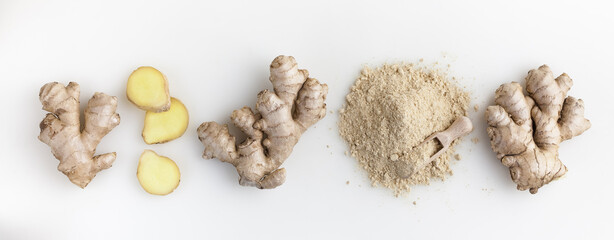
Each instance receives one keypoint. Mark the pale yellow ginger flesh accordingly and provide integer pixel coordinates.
(72, 145)
(162, 127)
(157, 174)
(525, 131)
(282, 116)
(148, 89)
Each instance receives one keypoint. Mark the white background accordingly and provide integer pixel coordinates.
(216, 56)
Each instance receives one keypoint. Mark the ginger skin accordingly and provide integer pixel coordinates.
(282, 116)
(61, 130)
(525, 131)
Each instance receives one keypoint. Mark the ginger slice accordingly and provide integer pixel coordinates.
(162, 127)
(148, 89)
(157, 174)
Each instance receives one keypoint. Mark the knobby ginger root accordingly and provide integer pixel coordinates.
(147, 88)
(162, 127)
(282, 116)
(157, 174)
(525, 131)
(61, 130)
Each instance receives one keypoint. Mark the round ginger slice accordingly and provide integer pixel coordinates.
(148, 89)
(157, 174)
(165, 126)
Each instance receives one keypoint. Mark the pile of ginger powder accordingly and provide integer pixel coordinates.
(390, 111)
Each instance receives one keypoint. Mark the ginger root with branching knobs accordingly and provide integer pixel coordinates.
(282, 116)
(61, 130)
(525, 131)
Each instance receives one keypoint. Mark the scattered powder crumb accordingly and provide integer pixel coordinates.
(345, 153)
(347, 182)
(389, 111)
(331, 112)
(327, 146)
(475, 140)
(414, 203)
(476, 108)
(457, 156)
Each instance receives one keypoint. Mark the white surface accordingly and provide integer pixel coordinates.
(216, 56)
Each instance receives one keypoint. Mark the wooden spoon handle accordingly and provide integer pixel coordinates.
(461, 127)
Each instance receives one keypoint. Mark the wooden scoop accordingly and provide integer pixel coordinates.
(461, 127)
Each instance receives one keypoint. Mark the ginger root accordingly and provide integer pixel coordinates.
(161, 127)
(281, 118)
(525, 131)
(157, 174)
(147, 88)
(61, 130)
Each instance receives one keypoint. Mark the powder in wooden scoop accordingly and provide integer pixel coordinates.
(389, 112)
